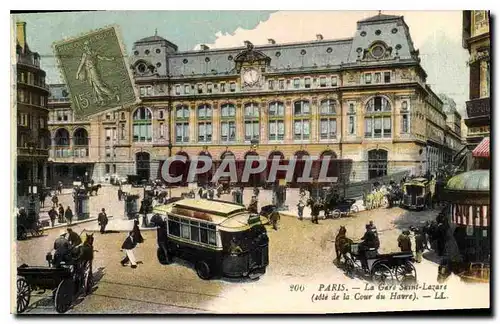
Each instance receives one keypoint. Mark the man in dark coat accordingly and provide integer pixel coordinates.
(62, 250)
(68, 214)
(253, 206)
(420, 243)
(43, 195)
(102, 220)
(137, 232)
(211, 193)
(128, 246)
(73, 238)
(52, 216)
(120, 193)
(315, 208)
(404, 241)
(274, 219)
(55, 201)
(369, 241)
(61, 213)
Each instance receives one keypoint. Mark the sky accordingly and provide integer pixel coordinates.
(437, 34)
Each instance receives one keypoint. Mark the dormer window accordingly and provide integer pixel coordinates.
(368, 78)
(296, 83)
(322, 82)
(387, 77)
(187, 88)
(307, 83)
(334, 81)
(177, 89)
(209, 88)
(200, 88)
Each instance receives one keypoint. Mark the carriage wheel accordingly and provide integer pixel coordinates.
(349, 266)
(354, 209)
(381, 273)
(88, 278)
(64, 295)
(336, 213)
(405, 272)
(23, 295)
(203, 270)
(22, 233)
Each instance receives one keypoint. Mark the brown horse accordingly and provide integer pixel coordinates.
(342, 244)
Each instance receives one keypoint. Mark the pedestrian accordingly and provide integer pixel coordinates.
(59, 187)
(120, 193)
(274, 219)
(52, 216)
(61, 213)
(200, 192)
(128, 247)
(253, 206)
(102, 220)
(404, 242)
(137, 232)
(43, 195)
(300, 208)
(419, 244)
(211, 193)
(68, 214)
(315, 207)
(55, 201)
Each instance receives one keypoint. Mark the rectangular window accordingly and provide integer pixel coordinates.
(296, 83)
(160, 114)
(200, 88)
(301, 108)
(65, 117)
(301, 129)
(204, 132)
(404, 123)
(387, 127)
(222, 87)
(209, 88)
(252, 111)
(162, 130)
(228, 131)
(276, 130)
(377, 127)
(334, 81)
(270, 84)
(107, 168)
(327, 107)
(195, 231)
(328, 128)
(187, 88)
(113, 133)
(368, 127)
(142, 91)
(122, 131)
(322, 82)
(377, 78)
(108, 134)
(307, 83)
(174, 228)
(276, 109)
(182, 132)
(368, 78)
(228, 111)
(232, 86)
(251, 130)
(282, 84)
(114, 168)
(387, 77)
(108, 152)
(351, 129)
(177, 89)
(185, 231)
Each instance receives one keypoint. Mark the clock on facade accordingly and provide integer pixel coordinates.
(251, 77)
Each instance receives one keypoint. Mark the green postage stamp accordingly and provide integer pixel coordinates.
(95, 72)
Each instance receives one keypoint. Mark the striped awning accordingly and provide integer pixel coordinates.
(470, 215)
(483, 149)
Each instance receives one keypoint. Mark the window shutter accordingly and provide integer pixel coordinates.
(474, 82)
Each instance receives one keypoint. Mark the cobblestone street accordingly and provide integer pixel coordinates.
(300, 253)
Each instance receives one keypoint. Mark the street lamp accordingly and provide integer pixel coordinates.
(32, 189)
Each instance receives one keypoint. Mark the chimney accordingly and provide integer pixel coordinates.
(21, 34)
(319, 37)
(204, 47)
(271, 41)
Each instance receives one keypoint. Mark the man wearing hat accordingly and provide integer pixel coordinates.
(73, 238)
(404, 241)
(102, 220)
(62, 249)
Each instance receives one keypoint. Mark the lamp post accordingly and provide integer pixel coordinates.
(32, 190)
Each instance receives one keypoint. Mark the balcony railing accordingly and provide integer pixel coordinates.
(25, 151)
(478, 107)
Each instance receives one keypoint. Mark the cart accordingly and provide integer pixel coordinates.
(344, 208)
(65, 282)
(27, 224)
(383, 268)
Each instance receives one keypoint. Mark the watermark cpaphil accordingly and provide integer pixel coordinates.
(300, 170)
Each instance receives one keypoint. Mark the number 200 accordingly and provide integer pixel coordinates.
(297, 288)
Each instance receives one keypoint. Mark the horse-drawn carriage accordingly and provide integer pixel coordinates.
(66, 280)
(28, 224)
(382, 268)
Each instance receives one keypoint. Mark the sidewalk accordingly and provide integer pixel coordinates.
(293, 211)
(60, 225)
(119, 224)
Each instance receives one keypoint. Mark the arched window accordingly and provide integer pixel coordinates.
(81, 137)
(142, 125)
(182, 124)
(228, 123)
(276, 121)
(301, 122)
(328, 123)
(204, 123)
(377, 121)
(377, 163)
(62, 137)
(251, 121)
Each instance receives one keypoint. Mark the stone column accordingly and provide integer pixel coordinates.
(264, 122)
(193, 124)
(216, 123)
(288, 122)
(240, 124)
(314, 120)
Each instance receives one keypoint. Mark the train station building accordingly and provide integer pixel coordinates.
(364, 99)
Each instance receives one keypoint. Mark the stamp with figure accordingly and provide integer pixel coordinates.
(95, 71)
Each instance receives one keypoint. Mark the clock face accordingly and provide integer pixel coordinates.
(251, 76)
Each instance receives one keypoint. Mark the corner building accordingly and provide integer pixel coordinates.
(363, 98)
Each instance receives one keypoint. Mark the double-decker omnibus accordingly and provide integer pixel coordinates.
(220, 238)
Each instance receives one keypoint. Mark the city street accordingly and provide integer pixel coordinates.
(300, 253)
